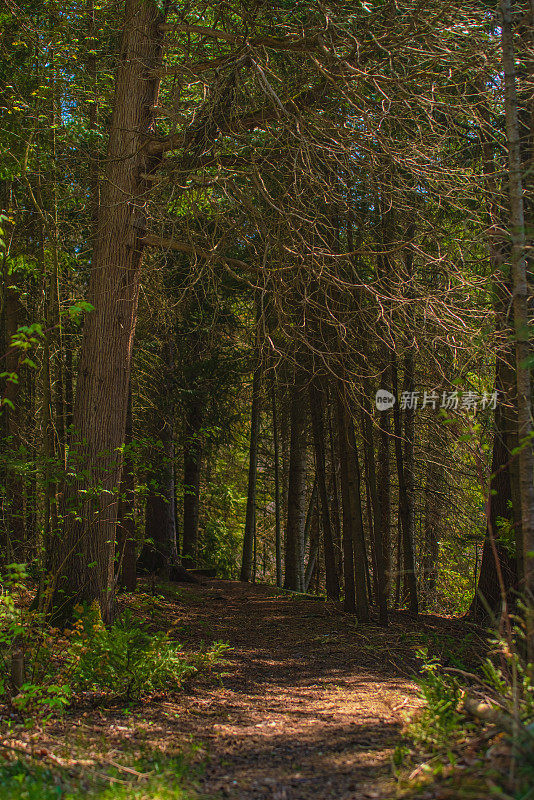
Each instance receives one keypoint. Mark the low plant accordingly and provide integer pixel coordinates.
(25, 779)
(490, 714)
(124, 659)
(440, 718)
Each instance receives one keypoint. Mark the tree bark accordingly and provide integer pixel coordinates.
(432, 516)
(497, 565)
(255, 419)
(317, 417)
(377, 517)
(405, 477)
(384, 496)
(361, 565)
(84, 563)
(126, 540)
(192, 469)
(313, 555)
(296, 495)
(521, 296)
(14, 538)
(277, 506)
(349, 593)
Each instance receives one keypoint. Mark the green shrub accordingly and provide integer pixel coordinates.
(42, 699)
(29, 780)
(21, 781)
(126, 660)
(440, 720)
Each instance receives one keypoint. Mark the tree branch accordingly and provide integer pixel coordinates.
(152, 240)
(234, 38)
(254, 119)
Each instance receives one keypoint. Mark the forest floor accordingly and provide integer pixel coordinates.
(307, 704)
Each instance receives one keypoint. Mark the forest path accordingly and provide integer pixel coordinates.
(311, 705)
(307, 703)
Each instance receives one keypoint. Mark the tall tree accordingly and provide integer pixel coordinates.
(521, 295)
(317, 418)
(296, 495)
(84, 561)
(192, 471)
(255, 419)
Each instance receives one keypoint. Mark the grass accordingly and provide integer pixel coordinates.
(161, 779)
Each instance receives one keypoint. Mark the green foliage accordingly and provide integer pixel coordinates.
(125, 659)
(12, 619)
(24, 780)
(42, 700)
(21, 781)
(208, 658)
(223, 531)
(444, 728)
(438, 722)
(456, 581)
(77, 310)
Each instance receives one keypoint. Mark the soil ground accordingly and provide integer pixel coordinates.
(309, 704)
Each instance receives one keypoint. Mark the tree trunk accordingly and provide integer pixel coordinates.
(432, 516)
(296, 495)
(126, 540)
(521, 295)
(255, 419)
(317, 417)
(310, 513)
(13, 516)
(277, 508)
(312, 565)
(361, 565)
(84, 563)
(192, 469)
(498, 574)
(349, 594)
(405, 477)
(160, 553)
(336, 502)
(384, 496)
(377, 518)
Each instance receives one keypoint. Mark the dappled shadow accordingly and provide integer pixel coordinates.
(308, 704)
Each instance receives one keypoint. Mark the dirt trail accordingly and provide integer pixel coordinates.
(311, 706)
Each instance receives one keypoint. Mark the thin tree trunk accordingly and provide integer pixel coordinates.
(192, 470)
(432, 517)
(349, 596)
(312, 564)
(405, 478)
(317, 417)
(14, 541)
(126, 540)
(497, 565)
(336, 515)
(312, 505)
(296, 495)
(361, 563)
(277, 509)
(377, 518)
(384, 496)
(255, 418)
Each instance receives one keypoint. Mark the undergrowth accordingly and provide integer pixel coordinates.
(162, 779)
(476, 729)
(125, 661)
